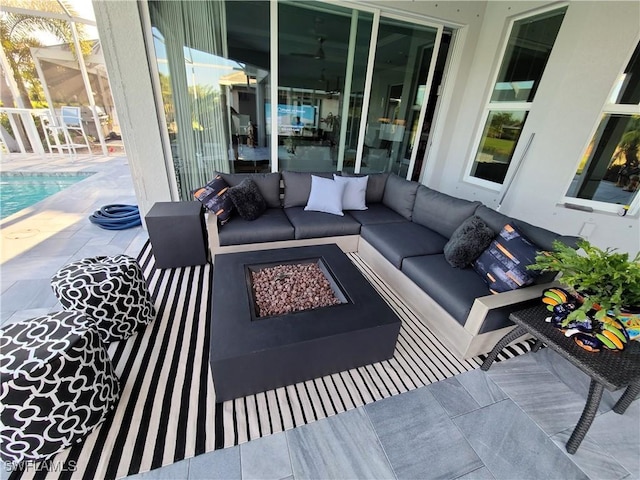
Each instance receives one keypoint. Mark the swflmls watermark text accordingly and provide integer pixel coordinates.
(43, 466)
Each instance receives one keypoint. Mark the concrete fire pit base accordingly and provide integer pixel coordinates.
(250, 355)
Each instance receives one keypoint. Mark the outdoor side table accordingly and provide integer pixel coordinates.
(177, 233)
(608, 369)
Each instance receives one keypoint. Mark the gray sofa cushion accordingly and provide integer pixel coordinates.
(271, 226)
(268, 184)
(494, 219)
(376, 213)
(397, 241)
(400, 195)
(540, 236)
(317, 224)
(441, 212)
(455, 289)
(375, 185)
(297, 186)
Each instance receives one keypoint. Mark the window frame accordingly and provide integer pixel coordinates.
(608, 108)
(516, 106)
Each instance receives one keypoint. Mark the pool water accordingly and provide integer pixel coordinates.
(21, 190)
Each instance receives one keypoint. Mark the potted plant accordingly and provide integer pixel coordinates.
(607, 282)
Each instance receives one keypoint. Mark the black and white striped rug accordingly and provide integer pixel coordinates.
(168, 411)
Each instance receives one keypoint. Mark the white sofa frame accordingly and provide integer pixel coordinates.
(464, 341)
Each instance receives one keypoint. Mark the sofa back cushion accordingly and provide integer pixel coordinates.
(540, 236)
(375, 185)
(441, 212)
(400, 195)
(268, 185)
(494, 219)
(297, 187)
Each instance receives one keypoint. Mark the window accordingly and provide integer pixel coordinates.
(609, 171)
(525, 58)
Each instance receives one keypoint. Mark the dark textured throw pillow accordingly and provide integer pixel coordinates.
(247, 199)
(214, 196)
(268, 184)
(468, 241)
(504, 264)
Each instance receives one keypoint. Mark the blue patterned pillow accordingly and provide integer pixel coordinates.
(214, 196)
(503, 265)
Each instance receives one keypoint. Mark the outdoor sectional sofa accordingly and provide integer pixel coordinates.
(402, 236)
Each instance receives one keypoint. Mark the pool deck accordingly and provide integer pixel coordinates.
(40, 239)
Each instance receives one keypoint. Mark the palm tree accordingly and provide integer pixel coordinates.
(630, 142)
(18, 35)
(629, 145)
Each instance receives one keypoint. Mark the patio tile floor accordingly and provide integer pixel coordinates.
(479, 425)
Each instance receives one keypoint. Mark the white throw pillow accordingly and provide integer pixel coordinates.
(325, 196)
(355, 192)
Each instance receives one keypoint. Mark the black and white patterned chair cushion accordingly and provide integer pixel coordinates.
(57, 384)
(110, 290)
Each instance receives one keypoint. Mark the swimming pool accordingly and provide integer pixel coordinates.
(20, 190)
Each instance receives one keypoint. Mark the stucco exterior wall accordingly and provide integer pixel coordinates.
(120, 30)
(593, 46)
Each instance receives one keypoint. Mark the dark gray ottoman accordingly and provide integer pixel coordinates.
(177, 234)
(57, 384)
(110, 290)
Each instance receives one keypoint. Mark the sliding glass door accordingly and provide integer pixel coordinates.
(322, 60)
(404, 61)
(351, 87)
(214, 77)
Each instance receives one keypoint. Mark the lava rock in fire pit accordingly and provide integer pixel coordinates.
(291, 288)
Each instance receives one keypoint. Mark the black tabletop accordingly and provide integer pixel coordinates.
(613, 369)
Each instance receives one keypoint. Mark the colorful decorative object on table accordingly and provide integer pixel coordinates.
(608, 281)
(589, 333)
(604, 286)
(630, 320)
(612, 334)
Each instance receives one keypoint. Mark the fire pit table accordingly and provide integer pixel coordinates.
(251, 353)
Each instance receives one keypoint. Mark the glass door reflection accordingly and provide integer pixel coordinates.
(319, 47)
(404, 52)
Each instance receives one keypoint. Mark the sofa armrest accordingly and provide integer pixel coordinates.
(212, 230)
(482, 305)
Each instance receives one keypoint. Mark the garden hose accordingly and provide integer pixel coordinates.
(116, 217)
